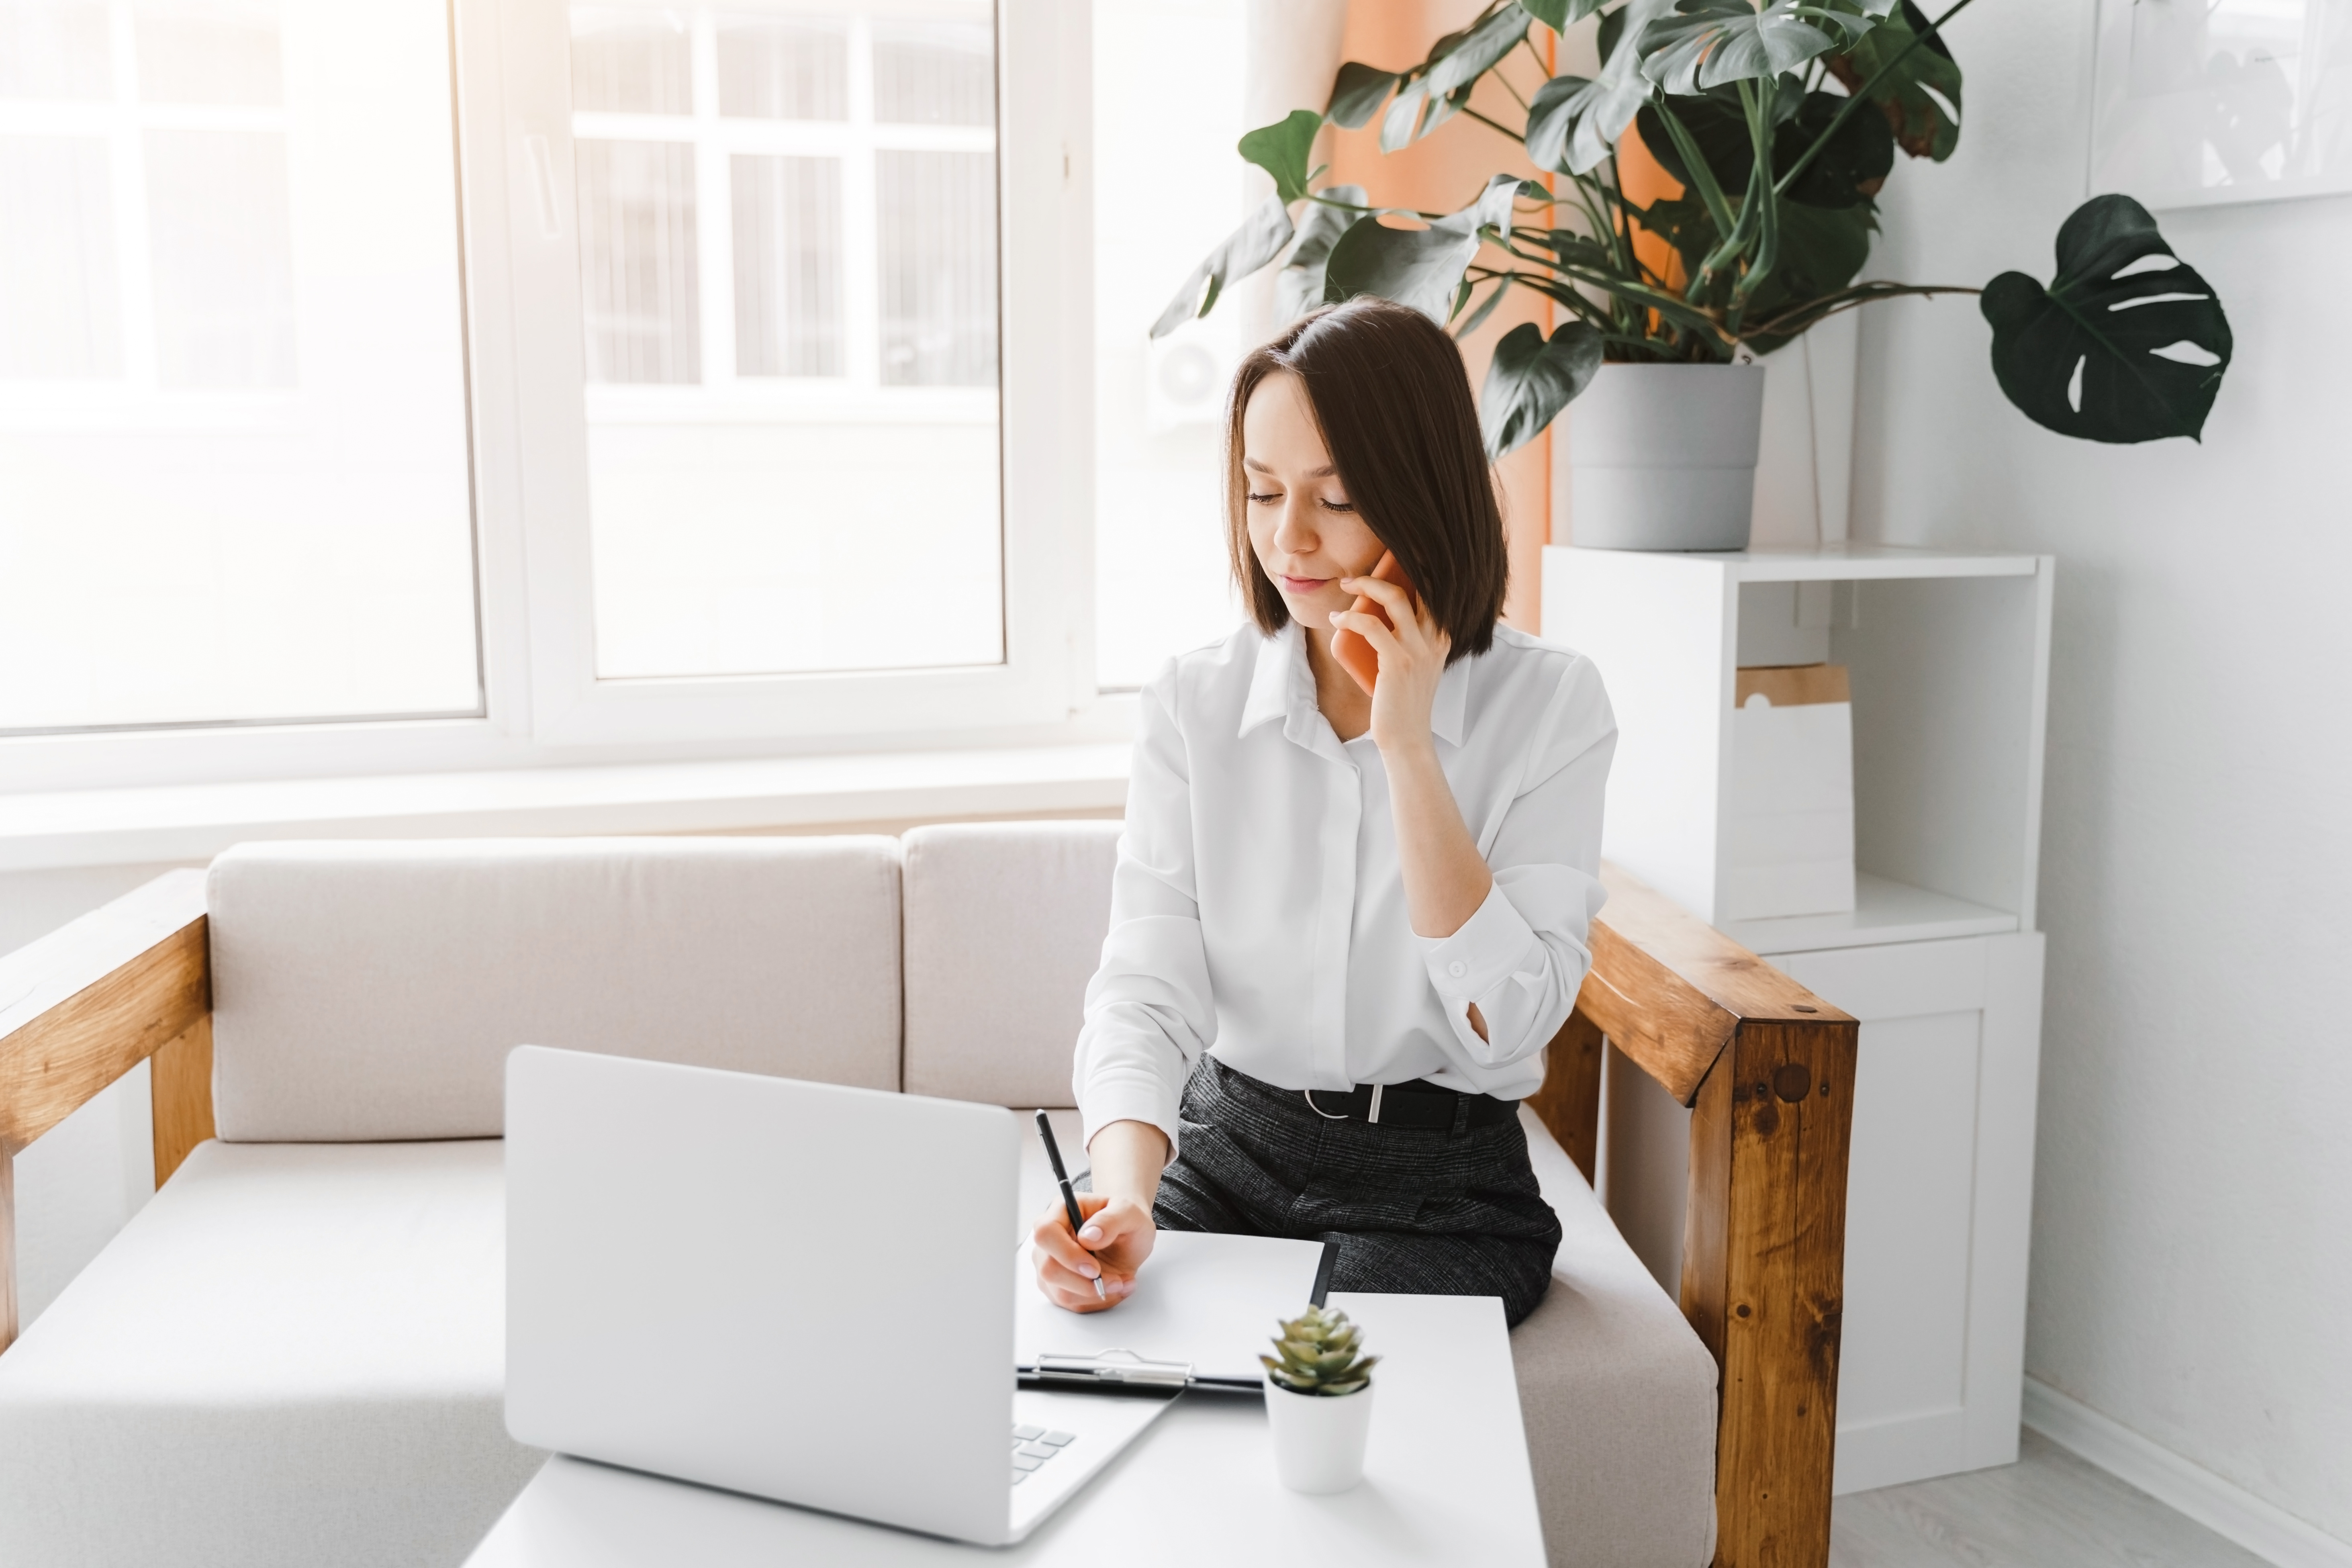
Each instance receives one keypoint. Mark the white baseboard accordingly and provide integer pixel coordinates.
(2264, 1528)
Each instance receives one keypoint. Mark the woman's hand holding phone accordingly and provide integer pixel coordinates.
(1407, 649)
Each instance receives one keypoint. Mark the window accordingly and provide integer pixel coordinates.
(788, 274)
(500, 378)
(234, 465)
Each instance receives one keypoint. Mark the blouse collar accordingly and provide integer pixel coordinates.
(1283, 687)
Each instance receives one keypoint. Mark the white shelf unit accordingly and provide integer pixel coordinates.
(1948, 655)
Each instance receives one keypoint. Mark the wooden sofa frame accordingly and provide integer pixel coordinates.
(1766, 1066)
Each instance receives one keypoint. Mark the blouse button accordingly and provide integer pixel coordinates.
(1457, 969)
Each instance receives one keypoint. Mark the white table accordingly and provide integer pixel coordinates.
(1446, 1481)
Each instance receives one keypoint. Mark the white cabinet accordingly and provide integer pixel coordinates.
(1948, 655)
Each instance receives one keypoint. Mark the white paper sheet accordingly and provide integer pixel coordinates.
(1212, 1300)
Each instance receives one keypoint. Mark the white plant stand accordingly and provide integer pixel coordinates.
(1948, 653)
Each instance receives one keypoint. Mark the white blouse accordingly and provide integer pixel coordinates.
(1258, 909)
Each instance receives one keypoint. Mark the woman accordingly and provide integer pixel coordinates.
(1345, 925)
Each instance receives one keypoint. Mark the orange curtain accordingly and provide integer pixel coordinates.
(1442, 173)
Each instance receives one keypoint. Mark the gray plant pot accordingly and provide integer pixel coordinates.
(1660, 457)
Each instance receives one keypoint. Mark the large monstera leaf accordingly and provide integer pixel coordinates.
(1531, 380)
(1574, 122)
(2126, 345)
(1422, 267)
(1921, 96)
(1710, 42)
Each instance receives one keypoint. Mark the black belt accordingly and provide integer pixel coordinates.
(1419, 1104)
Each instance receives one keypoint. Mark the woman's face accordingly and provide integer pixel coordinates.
(1305, 533)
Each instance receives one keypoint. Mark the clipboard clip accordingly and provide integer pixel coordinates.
(1113, 1368)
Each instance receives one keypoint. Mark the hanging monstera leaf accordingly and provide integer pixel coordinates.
(1531, 379)
(2127, 344)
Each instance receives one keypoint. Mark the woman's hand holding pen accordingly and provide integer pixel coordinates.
(1116, 1233)
(1116, 1239)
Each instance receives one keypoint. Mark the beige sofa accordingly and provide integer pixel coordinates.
(294, 1354)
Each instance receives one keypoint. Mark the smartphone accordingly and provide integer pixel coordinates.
(1355, 654)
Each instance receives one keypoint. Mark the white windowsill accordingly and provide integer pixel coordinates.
(196, 822)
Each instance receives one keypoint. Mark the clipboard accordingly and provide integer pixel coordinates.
(1205, 1307)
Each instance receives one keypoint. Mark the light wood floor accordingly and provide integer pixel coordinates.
(2050, 1509)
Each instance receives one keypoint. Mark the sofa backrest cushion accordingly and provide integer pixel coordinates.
(1005, 923)
(372, 991)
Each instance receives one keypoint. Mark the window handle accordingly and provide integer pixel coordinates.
(542, 173)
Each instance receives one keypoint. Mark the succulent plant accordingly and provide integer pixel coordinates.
(1317, 1354)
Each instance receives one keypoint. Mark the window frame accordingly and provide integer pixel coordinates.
(543, 703)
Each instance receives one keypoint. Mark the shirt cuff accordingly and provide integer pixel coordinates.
(1490, 947)
(1123, 1097)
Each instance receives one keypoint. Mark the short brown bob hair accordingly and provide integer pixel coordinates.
(1392, 400)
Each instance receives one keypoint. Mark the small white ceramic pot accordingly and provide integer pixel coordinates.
(1319, 1439)
(1662, 456)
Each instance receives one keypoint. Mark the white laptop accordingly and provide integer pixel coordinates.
(790, 1290)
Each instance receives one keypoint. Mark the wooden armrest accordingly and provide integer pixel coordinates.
(1766, 1069)
(85, 1005)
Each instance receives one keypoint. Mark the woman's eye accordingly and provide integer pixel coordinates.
(1257, 499)
(1339, 506)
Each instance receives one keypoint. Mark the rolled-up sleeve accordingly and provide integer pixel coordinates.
(1150, 1014)
(1522, 957)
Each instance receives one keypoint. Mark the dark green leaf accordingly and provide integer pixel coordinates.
(1298, 287)
(1850, 168)
(1821, 249)
(1530, 381)
(1710, 42)
(1909, 98)
(1358, 93)
(1247, 248)
(1613, 27)
(1552, 14)
(1718, 123)
(2127, 344)
(1573, 249)
(1282, 150)
(1420, 268)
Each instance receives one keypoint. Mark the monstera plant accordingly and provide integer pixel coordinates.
(1780, 119)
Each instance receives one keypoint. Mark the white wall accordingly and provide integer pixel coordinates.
(2191, 1260)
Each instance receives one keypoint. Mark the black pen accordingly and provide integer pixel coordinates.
(1069, 1194)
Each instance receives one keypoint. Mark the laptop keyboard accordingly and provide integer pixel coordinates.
(1033, 1446)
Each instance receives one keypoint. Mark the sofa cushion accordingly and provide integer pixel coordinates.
(1005, 923)
(1617, 1393)
(295, 1354)
(372, 991)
